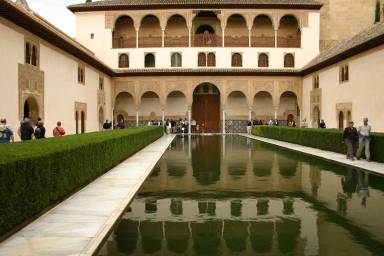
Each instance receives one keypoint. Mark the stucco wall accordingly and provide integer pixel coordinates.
(364, 90)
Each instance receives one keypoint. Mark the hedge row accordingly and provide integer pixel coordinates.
(36, 174)
(326, 139)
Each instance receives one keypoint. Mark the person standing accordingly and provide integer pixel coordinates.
(364, 140)
(350, 137)
(58, 131)
(107, 125)
(6, 134)
(40, 130)
(249, 126)
(322, 124)
(26, 130)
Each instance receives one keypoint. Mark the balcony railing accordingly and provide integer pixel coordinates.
(206, 40)
(236, 41)
(263, 41)
(151, 41)
(286, 42)
(179, 41)
(124, 42)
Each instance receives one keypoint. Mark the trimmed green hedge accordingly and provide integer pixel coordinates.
(326, 139)
(36, 174)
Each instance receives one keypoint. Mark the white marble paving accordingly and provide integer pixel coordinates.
(374, 167)
(79, 224)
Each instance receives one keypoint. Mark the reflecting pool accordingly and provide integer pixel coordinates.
(229, 195)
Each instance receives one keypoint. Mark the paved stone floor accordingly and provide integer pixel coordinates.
(327, 155)
(78, 225)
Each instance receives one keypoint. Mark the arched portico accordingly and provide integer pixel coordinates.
(288, 108)
(31, 109)
(150, 107)
(125, 109)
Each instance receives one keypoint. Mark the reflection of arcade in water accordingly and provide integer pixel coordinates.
(225, 195)
(214, 227)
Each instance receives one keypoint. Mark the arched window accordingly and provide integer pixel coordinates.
(176, 60)
(263, 60)
(202, 60)
(237, 60)
(211, 60)
(34, 56)
(149, 60)
(27, 53)
(289, 60)
(123, 61)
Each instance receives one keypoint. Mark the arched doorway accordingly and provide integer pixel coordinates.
(316, 117)
(206, 107)
(150, 108)
(288, 107)
(31, 109)
(125, 109)
(341, 120)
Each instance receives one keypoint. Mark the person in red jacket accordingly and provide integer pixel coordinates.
(58, 130)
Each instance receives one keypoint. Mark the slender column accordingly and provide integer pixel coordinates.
(189, 37)
(162, 37)
(113, 118)
(249, 38)
(189, 120)
(137, 118)
(137, 38)
(275, 38)
(223, 128)
(250, 113)
(276, 109)
(223, 35)
(162, 116)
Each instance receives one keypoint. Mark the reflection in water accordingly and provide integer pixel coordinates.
(209, 196)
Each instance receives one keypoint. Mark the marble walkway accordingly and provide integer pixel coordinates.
(374, 167)
(79, 224)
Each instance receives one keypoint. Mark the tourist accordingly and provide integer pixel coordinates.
(6, 133)
(26, 130)
(291, 123)
(364, 140)
(275, 122)
(322, 124)
(121, 124)
(40, 130)
(350, 137)
(270, 122)
(107, 125)
(58, 131)
(249, 126)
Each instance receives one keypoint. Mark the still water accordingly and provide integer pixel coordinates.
(215, 195)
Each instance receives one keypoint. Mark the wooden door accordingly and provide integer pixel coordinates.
(206, 110)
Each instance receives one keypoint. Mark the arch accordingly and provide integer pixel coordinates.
(101, 118)
(263, 60)
(316, 117)
(237, 60)
(176, 32)
(31, 109)
(289, 33)
(27, 53)
(288, 106)
(125, 107)
(289, 60)
(124, 33)
(206, 107)
(150, 108)
(150, 34)
(176, 59)
(176, 105)
(34, 56)
(236, 31)
(263, 106)
(207, 27)
(82, 119)
(211, 59)
(237, 112)
(123, 61)
(150, 60)
(263, 32)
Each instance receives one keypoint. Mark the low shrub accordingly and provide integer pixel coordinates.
(326, 139)
(36, 174)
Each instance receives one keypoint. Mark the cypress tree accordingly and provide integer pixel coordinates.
(377, 11)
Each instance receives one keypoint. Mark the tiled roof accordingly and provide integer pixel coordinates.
(365, 40)
(162, 4)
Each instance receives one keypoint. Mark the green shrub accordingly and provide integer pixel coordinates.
(36, 174)
(326, 139)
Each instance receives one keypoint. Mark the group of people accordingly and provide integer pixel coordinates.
(356, 140)
(27, 130)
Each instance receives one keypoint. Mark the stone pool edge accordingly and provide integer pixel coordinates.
(58, 233)
(375, 167)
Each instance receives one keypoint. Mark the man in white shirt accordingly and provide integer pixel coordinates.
(364, 140)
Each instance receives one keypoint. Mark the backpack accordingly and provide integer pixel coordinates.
(38, 133)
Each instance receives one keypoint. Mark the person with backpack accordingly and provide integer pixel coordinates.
(58, 131)
(40, 130)
(6, 134)
(26, 130)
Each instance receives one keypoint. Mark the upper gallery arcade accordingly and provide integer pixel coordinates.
(193, 34)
